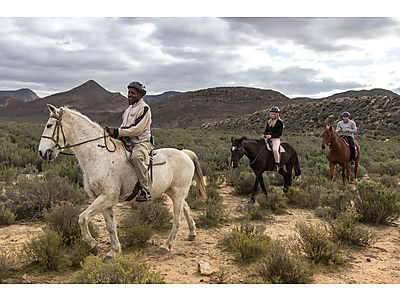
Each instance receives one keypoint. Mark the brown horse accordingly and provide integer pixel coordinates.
(339, 153)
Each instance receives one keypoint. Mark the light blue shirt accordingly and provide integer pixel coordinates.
(343, 125)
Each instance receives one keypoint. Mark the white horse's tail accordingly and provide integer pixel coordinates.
(198, 174)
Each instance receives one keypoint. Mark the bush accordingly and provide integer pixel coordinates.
(337, 200)
(79, 251)
(7, 261)
(214, 212)
(281, 266)
(6, 216)
(376, 204)
(46, 249)
(248, 241)
(32, 196)
(317, 245)
(120, 270)
(346, 228)
(301, 198)
(140, 223)
(63, 219)
(274, 202)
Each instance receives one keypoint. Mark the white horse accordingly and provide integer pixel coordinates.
(109, 177)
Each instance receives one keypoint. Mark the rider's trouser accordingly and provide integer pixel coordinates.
(139, 157)
(275, 148)
(350, 140)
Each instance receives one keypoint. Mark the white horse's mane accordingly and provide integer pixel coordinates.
(96, 125)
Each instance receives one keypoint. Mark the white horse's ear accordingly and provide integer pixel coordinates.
(52, 109)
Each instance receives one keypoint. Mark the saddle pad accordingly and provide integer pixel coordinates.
(158, 158)
(281, 149)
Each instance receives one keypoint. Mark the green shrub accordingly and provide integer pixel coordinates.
(6, 216)
(214, 212)
(389, 181)
(31, 196)
(248, 241)
(46, 249)
(63, 219)
(337, 200)
(279, 265)
(274, 202)
(119, 270)
(78, 252)
(301, 198)
(9, 174)
(317, 245)
(346, 229)
(133, 232)
(376, 204)
(7, 261)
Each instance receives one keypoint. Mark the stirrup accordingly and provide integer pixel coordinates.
(144, 197)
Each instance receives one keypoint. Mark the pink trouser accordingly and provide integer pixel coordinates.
(275, 148)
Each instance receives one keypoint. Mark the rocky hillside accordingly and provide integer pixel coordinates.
(192, 109)
(375, 116)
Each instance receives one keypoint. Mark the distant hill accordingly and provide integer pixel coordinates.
(192, 109)
(151, 99)
(375, 116)
(89, 98)
(25, 95)
(352, 94)
(15, 98)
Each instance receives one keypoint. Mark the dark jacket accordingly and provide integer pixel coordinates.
(275, 131)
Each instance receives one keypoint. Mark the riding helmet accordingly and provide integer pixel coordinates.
(138, 86)
(274, 109)
(346, 114)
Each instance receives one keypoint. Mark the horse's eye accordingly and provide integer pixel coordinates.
(49, 125)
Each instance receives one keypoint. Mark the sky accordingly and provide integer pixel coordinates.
(312, 54)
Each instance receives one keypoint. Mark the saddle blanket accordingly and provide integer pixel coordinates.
(281, 149)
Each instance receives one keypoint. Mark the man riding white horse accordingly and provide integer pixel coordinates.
(136, 135)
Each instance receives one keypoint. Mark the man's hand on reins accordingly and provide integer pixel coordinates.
(112, 132)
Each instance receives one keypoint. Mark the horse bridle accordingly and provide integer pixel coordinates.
(55, 137)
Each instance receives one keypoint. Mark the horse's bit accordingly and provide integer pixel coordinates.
(55, 137)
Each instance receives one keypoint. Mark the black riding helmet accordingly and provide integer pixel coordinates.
(346, 114)
(274, 109)
(138, 86)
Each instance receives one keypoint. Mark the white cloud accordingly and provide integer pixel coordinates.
(295, 56)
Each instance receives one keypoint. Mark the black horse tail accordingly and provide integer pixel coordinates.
(297, 170)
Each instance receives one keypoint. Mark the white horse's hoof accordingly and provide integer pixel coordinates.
(162, 250)
(95, 250)
(106, 258)
(191, 237)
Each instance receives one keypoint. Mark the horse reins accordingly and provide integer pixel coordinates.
(259, 153)
(55, 137)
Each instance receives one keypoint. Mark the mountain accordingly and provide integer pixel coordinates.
(25, 95)
(352, 94)
(151, 99)
(89, 98)
(16, 98)
(376, 116)
(192, 109)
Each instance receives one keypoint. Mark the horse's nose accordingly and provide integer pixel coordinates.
(323, 147)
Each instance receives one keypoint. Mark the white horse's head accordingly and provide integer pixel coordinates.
(53, 136)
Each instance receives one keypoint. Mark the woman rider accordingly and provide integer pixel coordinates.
(273, 132)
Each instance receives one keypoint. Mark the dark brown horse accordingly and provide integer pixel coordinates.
(262, 160)
(339, 153)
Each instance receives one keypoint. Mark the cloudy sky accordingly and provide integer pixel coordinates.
(297, 56)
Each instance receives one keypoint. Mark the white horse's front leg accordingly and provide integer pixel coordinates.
(84, 218)
(111, 224)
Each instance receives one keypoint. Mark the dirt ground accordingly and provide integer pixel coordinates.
(376, 264)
